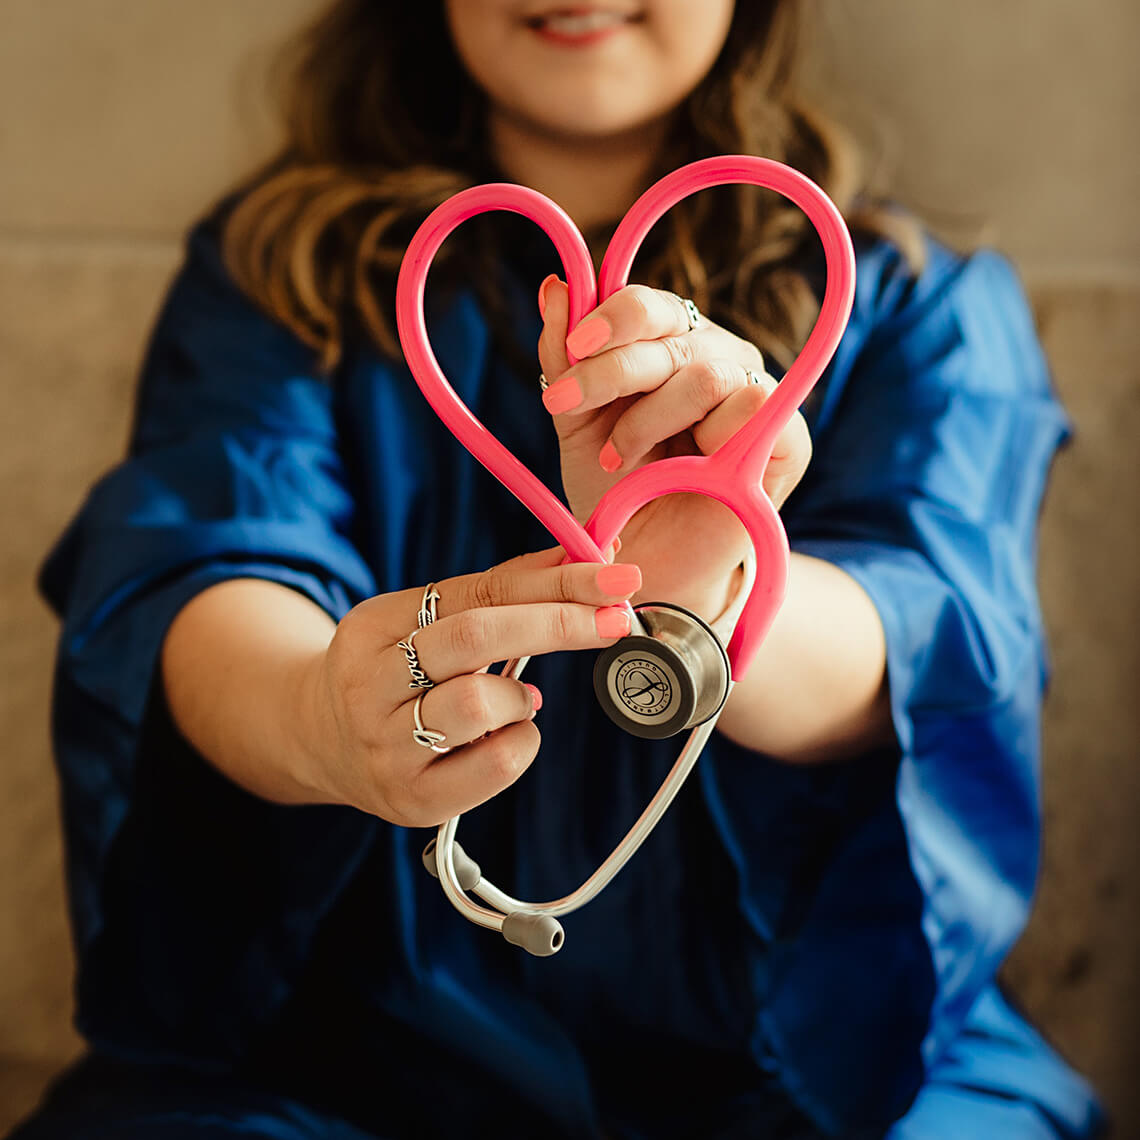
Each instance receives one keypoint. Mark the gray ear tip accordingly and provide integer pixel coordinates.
(428, 857)
(538, 934)
(467, 871)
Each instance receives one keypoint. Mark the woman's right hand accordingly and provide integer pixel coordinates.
(361, 699)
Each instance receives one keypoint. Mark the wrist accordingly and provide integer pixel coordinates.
(310, 730)
(710, 598)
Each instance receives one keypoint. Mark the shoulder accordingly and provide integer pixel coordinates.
(214, 353)
(976, 300)
(959, 323)
(205, 300)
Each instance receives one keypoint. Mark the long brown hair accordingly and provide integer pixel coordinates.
(383, 123)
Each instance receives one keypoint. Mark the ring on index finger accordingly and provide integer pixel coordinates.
(428, 605)
(692, 313)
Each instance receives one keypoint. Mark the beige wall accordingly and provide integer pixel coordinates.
(121, 119)
(1014, 116)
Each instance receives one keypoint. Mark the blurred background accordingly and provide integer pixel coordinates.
(1011, 124)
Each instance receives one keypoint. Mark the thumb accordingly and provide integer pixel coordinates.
(554, 304)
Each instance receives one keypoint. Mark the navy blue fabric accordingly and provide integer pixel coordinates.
(809, 946)
(104, 1100)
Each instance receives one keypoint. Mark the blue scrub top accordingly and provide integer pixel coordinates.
(818, 940)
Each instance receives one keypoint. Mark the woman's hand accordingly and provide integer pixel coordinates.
(647, 386)
(366, 754)
(298, 710)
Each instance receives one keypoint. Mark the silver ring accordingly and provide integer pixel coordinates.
(692, 313)
(428, 602)
(426, 737)
(543, 383)
(420, 680)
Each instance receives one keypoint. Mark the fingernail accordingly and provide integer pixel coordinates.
(535, 695)
(542, 294)
(589, 336)
(620, 579)
(612, 621)
(562, 395)
(609, 458)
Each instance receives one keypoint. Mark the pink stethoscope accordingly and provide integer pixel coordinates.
(673, 671)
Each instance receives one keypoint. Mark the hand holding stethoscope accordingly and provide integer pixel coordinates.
(653, 378)
(689, 670)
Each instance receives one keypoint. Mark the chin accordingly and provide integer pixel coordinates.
(598, 117)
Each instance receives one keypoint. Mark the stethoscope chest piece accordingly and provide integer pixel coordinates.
(673, 677)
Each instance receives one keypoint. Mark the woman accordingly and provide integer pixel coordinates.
(806, 946)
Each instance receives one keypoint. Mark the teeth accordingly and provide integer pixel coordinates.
(583, 24)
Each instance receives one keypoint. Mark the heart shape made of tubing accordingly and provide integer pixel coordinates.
(733, 473)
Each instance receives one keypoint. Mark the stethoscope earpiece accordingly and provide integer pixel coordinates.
(538, 934)
(467, 871)
(673, 676)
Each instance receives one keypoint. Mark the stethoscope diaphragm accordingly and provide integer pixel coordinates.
(673, 676)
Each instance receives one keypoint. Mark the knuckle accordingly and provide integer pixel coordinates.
(405, 805)
(504, 764)
(757, 397)
(562, 625)
(362, 729)
(629, 439)
(624, 374)
(472, 699)
(681, 351)
(509, 754)
(487, 589)
(469, 632)
(640, 299)
(564, 582)
(708, 384)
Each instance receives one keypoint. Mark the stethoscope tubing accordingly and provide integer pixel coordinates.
(505, 904)
(732, 475)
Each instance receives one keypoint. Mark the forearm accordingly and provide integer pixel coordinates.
(817, 689)
(238, 666)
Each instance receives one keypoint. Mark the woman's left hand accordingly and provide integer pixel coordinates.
(646, 386)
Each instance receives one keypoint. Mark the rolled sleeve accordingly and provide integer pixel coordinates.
(234, 471)
(912, 870)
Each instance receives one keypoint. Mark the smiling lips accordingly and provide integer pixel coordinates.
(579, 27)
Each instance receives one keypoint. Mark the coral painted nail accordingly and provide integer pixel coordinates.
(535, 696)
(562, 395)
(611, 621)
(589, 336)
(609, 458)
(542, 294)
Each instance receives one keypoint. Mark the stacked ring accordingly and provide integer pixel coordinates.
(692, 313)
(428, 603)
(420, 680)
(426, 737)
